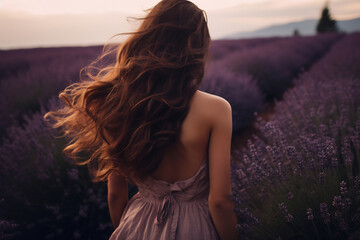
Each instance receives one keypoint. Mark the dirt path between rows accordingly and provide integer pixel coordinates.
(239, 139)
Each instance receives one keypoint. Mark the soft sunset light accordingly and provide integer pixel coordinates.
(26, 23)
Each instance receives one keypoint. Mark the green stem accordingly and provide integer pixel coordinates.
(316, 231)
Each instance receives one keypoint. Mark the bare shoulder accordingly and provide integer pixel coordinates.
(211, 103)
(213, 108)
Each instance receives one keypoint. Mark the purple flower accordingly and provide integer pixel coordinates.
(346, 151)
(337, 202)
(289, 196)
(288, 217)
(310, 214)
(296, 158)
(357, 187)
(338, 205)
(322, 177)
(343, 188)
(324, 213)
(308, 140)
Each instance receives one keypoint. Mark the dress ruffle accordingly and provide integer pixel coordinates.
(169, 211)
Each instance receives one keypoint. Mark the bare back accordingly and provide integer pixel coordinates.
(206, 133)
(183, 158)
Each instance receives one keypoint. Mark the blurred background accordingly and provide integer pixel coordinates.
(290, 70)
(35, 23)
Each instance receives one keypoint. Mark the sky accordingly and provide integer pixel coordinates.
(90, 6)
(27, 23)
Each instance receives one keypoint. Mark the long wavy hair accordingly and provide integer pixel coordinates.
(126, 114)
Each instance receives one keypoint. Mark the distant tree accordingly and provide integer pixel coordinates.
(296, 32)
(326, 22)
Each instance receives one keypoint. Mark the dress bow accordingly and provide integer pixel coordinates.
(165, 208)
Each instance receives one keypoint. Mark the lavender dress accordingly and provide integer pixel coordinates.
(161, 210)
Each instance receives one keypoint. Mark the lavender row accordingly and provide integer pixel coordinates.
(276, 64)
(300, 175)
(239, 89)
(29, 78)
(47, 190)
(43, 181)
(221, 48)
(44, 195)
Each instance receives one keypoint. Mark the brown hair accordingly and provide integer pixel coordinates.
(127, 113)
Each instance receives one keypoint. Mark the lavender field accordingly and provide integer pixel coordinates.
(297, 177)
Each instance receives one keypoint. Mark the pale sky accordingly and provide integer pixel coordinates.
(101, 6)
(32, 23)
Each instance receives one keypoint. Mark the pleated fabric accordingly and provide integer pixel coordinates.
(169, 211)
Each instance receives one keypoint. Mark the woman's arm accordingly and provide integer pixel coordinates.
(117, 197)
(220, 203)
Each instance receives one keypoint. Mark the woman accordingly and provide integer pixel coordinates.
(144, 121)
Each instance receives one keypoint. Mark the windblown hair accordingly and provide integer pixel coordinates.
(128, 113)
